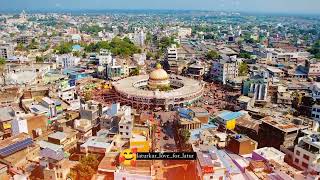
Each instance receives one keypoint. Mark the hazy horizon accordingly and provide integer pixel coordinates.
(256, 6)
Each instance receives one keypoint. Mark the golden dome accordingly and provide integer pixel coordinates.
(158, 73)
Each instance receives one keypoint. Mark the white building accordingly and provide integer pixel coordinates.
(225, 69)
(126, 122)
(67, 61)
(19, 125)
(172, 53)
(104, 57)
(6, 50)
(140, 58)
(315, 89)
(184, 32)
(307, 153)
(139, 38)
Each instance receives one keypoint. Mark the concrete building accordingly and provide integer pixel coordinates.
(184, 32)
(126, 122)
(19, 125)
(67, 138)
(312, 68)
(315, 114)
(210, 166)
(225, 69)
(268, 154)
(104, 57)
(278, 132)
(315, 90)
(172, 53)
(90, 111)
(66, 61)
(257, 88)
(241, 144)
(84, 128)
(6, 50)
(140, 58)
(307, 153)
(139, 38)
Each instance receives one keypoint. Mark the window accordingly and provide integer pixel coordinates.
(298, 153)
(305, 165)
(318, 110)
(211, 177)
(127, 127)
(127, 133)
(121, 127)
(296, 160)
(306, 157)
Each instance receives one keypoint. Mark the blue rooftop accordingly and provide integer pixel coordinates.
(76, 48)
(228, 115)
(195, 134)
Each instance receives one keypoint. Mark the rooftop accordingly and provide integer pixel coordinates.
(282, 124)
(58, 135)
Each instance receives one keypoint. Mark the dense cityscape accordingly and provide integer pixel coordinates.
(88, 94)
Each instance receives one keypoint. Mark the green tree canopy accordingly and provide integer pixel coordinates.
(212, 54)
(245, 55)
(39, 59)
(2, 61)
(64, 48)
(119, 47)
(243, 69)
(315, 49)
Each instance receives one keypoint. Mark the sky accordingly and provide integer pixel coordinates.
(264, 6)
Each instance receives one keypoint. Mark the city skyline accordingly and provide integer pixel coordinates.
(258, 6)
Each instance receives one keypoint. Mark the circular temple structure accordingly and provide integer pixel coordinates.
(132, 90)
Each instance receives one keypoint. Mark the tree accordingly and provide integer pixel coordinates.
(184, 135)
(315, 49)
(39, 59)
(86, 168)
(245, 55)
(135, 72)
(243, 69)
(150, 55)
(64, 48)
(2, 61)
(212, 54)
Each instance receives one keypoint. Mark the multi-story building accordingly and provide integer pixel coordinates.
(307, 153)
(225, 69)
(241, 145)
(126, 122)
(67, 138)
(278, 132)
(139, 38)
(6, 50)
(312, 68)
(66, 61)
(315, 114)
(90, 111)
(140, 58)
(172, 53)
(210, 166)
(104, 57)
(84, 127)
(256, 87)
(315, 90)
